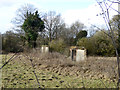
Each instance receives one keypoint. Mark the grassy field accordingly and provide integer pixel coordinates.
(57, 71)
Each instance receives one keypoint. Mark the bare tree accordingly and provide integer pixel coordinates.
(53, 24)
(105, 6)
(77, 27)
(21, 15)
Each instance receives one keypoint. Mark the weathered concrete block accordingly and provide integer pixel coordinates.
(44, 49)
(80, 55)
(77, 53)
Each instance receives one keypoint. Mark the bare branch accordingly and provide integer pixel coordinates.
(11, 58)
(114, 1)
(107, 21)
(33, 69)
(102, 30)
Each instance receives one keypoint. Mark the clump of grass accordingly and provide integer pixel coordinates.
(101, 66)
(58, 71)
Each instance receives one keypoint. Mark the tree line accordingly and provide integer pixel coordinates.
(34, 29)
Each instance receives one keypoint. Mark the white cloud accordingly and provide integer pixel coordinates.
(87, 16)
(8, 10)
(84, 15)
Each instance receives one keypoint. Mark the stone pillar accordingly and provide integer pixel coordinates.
(80, 55)
(44, 49)
(77, 54)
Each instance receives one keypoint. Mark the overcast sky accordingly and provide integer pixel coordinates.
(71, 10)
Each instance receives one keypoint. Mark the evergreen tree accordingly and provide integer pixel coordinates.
(80, 35)
(32, 25)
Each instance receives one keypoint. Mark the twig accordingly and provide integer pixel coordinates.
(34, 71)
(103, 84)
(13, 57)
(101, 30)
(107, 21)
(114, 1)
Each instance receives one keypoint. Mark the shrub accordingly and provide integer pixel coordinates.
(11, 42)
(57, 45)
(103, 44)
(85, 42)
(99, 44)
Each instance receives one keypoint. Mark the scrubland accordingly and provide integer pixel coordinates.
(54, 70)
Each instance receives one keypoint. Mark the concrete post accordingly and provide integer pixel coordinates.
(44, 49)
(80, 55)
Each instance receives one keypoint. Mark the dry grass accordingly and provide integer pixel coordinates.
(94, 68)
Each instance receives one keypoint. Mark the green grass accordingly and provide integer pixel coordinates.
(17, 74)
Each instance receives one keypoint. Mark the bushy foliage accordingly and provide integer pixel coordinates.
(103, 44)
(99, 44)
(11, 42)
(86, 42)
(81, 34)
(115, 23)
(57, 45)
